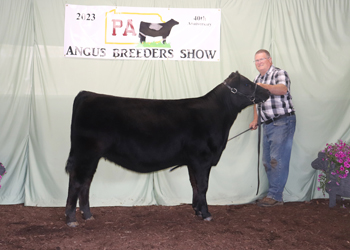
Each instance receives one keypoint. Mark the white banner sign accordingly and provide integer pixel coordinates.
(107, 32)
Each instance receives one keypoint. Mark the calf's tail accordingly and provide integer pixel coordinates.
(70, 164)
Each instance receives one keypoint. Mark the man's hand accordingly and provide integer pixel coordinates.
(253, 125)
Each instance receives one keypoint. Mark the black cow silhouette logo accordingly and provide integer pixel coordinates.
(156, 29)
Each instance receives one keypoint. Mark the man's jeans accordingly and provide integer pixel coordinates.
(277, 147)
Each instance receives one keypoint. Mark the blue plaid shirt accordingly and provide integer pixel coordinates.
(276, 105)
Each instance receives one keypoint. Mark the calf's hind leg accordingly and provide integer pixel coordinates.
(79, 186)
(84, 203)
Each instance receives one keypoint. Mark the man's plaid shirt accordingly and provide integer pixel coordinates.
(276, 105)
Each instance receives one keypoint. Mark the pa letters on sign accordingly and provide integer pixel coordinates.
(108, 32)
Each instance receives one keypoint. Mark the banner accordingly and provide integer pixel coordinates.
(108, 32)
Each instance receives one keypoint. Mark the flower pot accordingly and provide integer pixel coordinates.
(334, 190)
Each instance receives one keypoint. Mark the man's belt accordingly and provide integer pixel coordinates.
(278, 117)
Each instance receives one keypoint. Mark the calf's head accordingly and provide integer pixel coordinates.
(247, 92)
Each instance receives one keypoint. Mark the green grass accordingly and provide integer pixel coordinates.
(158, 44)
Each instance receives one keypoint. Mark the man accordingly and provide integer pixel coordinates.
(279, 119)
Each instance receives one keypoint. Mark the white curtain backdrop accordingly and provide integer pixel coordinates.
(310, 39)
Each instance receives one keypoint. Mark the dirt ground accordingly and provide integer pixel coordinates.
(296, 225)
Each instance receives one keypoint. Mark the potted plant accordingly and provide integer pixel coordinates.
(334, 162)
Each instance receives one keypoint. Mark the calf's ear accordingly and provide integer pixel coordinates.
(231, 75)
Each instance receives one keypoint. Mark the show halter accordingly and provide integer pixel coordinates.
(235, 91)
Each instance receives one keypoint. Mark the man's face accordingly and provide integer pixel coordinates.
(262, 63)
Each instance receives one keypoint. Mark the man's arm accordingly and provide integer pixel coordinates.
(278, 89)
(254, 124)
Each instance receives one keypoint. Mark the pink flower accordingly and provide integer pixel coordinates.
(339, 155)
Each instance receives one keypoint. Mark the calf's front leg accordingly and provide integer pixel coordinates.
(199, 180)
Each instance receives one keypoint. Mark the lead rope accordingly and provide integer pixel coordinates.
(259, 139)
(259, 134)
(239, 134)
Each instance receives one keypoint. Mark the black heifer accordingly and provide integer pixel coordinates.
(156, 29)
(148, 135)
